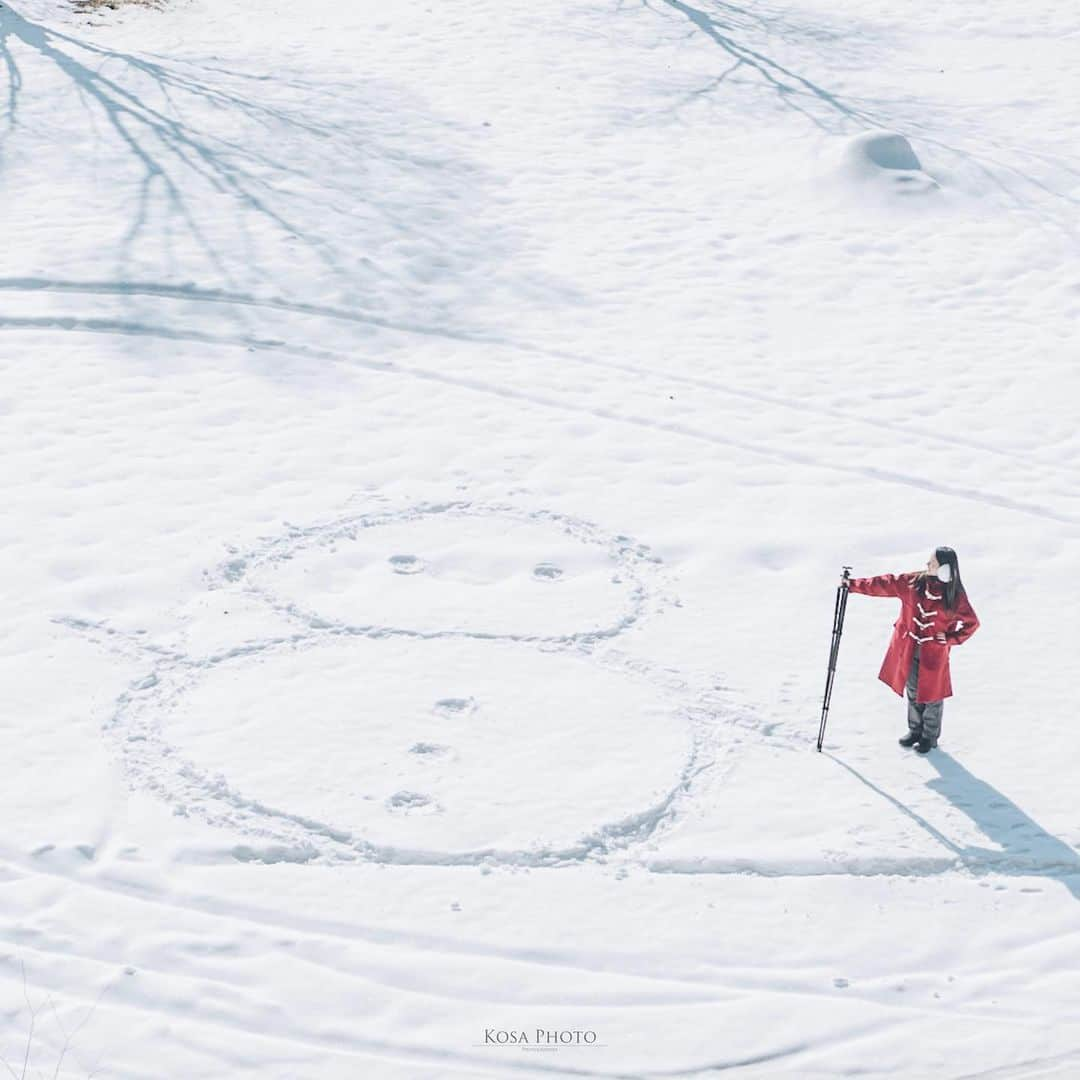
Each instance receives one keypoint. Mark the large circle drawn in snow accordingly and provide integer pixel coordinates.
(440, 746)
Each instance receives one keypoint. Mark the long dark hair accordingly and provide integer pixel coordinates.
(952, 589)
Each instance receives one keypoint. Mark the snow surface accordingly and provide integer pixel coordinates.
(431, 438)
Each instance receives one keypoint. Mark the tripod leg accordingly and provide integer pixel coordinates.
(838, 626)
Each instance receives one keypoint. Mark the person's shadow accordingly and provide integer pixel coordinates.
(1026, 849)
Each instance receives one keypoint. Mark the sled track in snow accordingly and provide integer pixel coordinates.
(560, 400)
(346, 950)
(136, 725)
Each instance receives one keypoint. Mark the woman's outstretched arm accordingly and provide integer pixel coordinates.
(881, 585)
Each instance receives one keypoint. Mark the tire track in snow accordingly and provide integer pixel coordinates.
(1053, 1067)
(719, 984)
(284, 1032)
(193, 293)
(784, 456)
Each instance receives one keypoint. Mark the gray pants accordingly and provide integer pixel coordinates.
(924, 719)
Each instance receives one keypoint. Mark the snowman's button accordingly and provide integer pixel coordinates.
(429, 749)
(455, 706)
(412, 802)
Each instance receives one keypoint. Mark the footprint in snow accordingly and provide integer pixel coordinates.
(412, 802)
(428, 749)
(455, 706)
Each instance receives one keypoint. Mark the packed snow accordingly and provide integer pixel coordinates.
(431, 438)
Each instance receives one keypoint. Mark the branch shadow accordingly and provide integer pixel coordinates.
(13, 74)
(788, 85)
(1024, 848)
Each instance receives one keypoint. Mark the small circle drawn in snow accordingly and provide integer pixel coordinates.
(546, 571)
(406, 564)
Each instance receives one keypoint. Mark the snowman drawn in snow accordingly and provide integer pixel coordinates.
(429, 684)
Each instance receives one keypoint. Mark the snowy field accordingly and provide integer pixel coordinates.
(431, 436)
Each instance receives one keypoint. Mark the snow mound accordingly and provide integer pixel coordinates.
(885, 159)
(885, 150)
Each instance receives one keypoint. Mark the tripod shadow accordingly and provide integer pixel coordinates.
(1024, 848)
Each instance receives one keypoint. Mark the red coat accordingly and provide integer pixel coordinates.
(922, 615)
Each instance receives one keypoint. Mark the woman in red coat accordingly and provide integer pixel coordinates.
(935, 615)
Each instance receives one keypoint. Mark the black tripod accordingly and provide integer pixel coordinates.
(837, 628)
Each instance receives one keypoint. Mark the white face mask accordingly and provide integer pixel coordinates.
(944, 572)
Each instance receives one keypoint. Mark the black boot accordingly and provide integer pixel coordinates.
(910, 739)
(925, 745)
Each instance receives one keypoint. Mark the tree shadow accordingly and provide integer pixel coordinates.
(149, 133)
(728, 25)
(1024, 848)
(256, 174)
